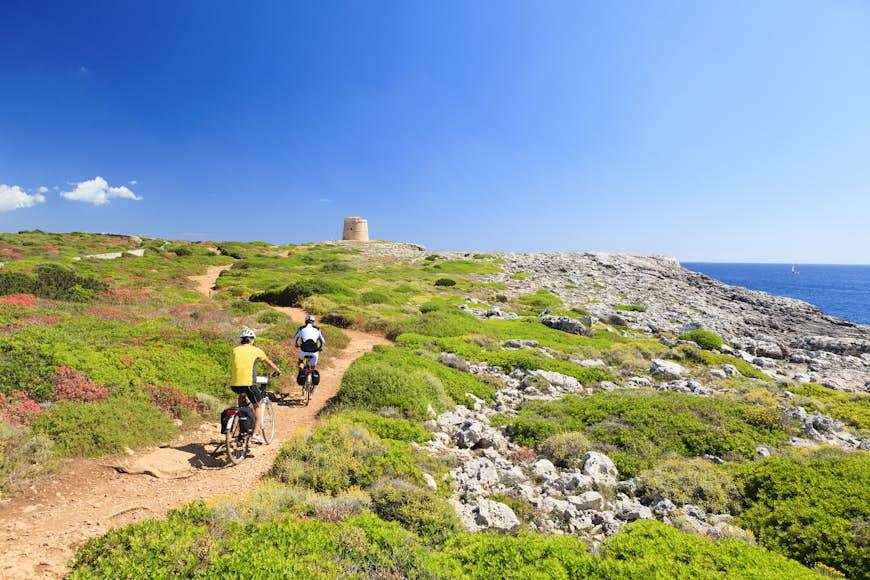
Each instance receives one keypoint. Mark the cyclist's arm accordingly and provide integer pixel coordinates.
(272, 365)
(322, 341)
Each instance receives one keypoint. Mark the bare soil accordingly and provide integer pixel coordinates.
(42, 526)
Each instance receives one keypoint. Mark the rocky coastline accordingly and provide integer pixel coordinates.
(788, 340)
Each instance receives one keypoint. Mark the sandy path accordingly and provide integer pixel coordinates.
(42, 526)
(205, 283)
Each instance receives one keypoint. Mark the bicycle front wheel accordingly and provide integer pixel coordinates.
(237, 444)
(268, 423)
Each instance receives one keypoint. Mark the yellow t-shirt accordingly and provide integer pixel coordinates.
(244, 363)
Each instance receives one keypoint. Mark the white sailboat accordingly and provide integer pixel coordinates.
(794, 270)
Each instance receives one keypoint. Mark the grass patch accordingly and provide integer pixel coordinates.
(104, 428)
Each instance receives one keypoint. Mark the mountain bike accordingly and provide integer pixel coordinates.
(308, 386)
(238, 442)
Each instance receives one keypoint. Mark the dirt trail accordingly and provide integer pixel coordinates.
(42, 527)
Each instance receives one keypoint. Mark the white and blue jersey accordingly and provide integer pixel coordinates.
(309, 340)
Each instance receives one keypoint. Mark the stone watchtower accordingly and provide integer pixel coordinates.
(356, 228)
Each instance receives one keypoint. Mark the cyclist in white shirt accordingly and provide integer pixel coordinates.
(309, 341)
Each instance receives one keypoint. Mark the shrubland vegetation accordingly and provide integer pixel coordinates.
(352, 497)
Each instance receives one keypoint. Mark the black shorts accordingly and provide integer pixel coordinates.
(254, 394)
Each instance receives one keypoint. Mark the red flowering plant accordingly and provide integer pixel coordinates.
(73, 385)
(17, 408)
(22, 300)
(171, 401)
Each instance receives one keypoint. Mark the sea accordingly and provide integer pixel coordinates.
(837, 290)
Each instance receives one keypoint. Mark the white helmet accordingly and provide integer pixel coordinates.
(309, 319)
(247, 333)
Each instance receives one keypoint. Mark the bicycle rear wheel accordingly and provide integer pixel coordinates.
(268, 426)
(237, 444)
(306, 390)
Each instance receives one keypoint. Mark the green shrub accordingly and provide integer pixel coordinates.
(703, 338)
(526, 555)
(443, 322)
(244, 308)
(294, 293)
(340, 455)
(630, 307)
(52, 281)
(648, 549)
(454, 383)
(637, 428)
(418, 510)
(447, 282)
(464, 267)
(712, 359)
(102, 428)
(373, 386)
(389, 427)
(181, 251)
(694, 481)
(811, 506)
(566, 449)
(271, 317)
(851, 408)
(25, 458)
(376, 297)
(541, 300)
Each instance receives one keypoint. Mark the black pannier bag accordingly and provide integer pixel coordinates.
(244, 415)
(315, 378)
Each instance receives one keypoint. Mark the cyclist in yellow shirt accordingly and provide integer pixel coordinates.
(244, 375)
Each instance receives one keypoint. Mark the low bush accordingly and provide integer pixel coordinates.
(637, 428)
(526, 555)
(102, 428)
(271, 317)
(24, 458)
(445, 282)
(372, 386)
(540, 301)
(171, 401)
(464, 267)
(376, 297)
(340, 455)
(648, 549)
(811, 506)
(293, 294)
(17, 408)
(712, 359)
(703, 338)
(418, 510)
(52, 281)
(694, 481)
(853, 409)
(566, 449)
(630, 307)
(73, 385)
(442, 380)
(389, 427)
(245, 308)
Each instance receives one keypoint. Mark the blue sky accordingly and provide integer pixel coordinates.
(709, 131)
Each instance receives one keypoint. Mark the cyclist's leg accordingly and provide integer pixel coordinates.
(255, 396)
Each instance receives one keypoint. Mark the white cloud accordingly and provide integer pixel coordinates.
(13, 197)
(98, 192)
(325, 200)
(43, 189)
(132, 182)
